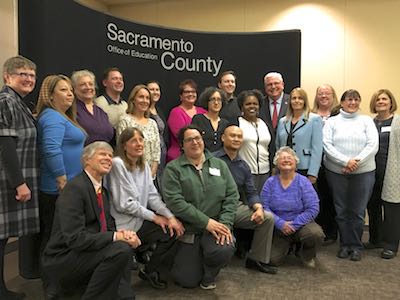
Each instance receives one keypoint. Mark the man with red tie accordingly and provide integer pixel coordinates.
(84, 247)
(275, 106)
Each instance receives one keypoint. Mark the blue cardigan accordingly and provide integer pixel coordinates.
(307, 141)
(60, 145)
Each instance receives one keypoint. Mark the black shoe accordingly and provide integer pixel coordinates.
(133, 264)
(153, 278)
(10, 295)
(343, 253)
(262, 267)
(355, 255)
(388, 254)
(370, 245)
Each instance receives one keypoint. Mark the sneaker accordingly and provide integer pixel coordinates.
(355, 255)
(388, 254)
(208, 286)
(309, 263)
(343, 253)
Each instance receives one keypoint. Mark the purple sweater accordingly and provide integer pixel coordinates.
(97, 126)
(298, 202)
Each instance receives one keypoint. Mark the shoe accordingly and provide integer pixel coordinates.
(309, 263)
(153, 278)
(262, 267)
(370, 245)
(10, 295)
(343, 253)
(208, 286)
(51, 293)
(388, 254)
(355, 255)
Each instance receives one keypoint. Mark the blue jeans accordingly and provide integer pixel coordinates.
(350, 196)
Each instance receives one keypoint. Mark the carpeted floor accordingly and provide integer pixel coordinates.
(333, 278)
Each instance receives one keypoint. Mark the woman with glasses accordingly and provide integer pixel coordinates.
(350, 144)
(181, 115)
(19, 209)
(325, 100)
(210, 123)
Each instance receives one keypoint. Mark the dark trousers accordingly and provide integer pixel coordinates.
(327, 212)
(105, 272)
(391, 226)
(351, 195)
(310, 237)
(166, 248)
(375, 207)
(47, 206)
(200, 261)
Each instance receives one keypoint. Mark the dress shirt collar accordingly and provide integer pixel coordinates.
(96, 185)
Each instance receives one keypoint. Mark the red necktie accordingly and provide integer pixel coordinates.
(275, 115)
(100, 203)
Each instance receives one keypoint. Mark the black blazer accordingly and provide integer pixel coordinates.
(265, 114)
(76, 225)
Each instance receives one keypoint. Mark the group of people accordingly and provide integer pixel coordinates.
(102, 178)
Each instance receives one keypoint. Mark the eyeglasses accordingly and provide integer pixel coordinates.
(352, 100)
(26, 75)
(196, 139)
(215, 100)
(324, 94)
(189, 92)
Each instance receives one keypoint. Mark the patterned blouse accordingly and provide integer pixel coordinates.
(152, 149)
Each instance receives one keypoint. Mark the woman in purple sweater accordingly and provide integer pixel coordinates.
(294, 203)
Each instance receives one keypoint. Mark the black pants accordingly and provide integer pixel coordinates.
(200, 261)
(166, 248)
(105, 271)
(327, 212)
(391, 226)
(374, 206)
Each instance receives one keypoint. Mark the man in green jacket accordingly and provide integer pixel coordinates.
(200, 190)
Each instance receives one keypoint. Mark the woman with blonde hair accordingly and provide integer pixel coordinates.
(60, 141)
(301, 130)
(385, 233)
(138, 116)
(325, 100)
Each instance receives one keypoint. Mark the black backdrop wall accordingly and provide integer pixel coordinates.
(62, 36)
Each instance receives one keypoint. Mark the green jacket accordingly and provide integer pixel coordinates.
(194, 200)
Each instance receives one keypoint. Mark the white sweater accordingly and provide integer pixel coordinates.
(347, 136)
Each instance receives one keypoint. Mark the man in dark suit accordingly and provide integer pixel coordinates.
(275, 105)
(84, 246)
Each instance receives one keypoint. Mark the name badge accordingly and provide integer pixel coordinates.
(215, 171)
(386, 128)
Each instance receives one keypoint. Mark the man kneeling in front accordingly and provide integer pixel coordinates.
(84, 246)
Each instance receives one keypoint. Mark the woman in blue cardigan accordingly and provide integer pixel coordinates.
(60, 140)
(302, 131)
